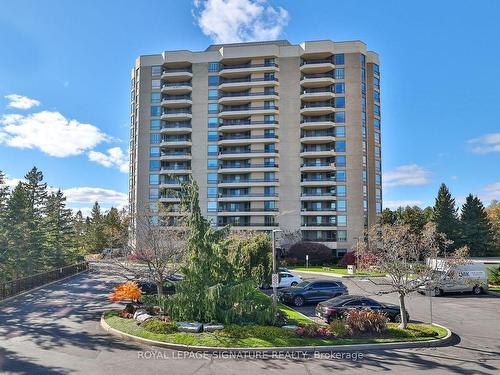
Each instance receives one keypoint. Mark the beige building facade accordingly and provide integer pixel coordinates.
(276, 135)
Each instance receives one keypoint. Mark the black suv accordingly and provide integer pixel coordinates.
(336, 308)
(312, 291)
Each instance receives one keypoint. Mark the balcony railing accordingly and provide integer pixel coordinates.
(316, 164)
(180, 153)
(232, 137)
(246, 108)
(178, 70)
(317, 75)
(176, 125)
(265, 165)
(246, 122)
(244, 80)
(176, 97)
(246, 209)
(320, 224)
(174, 84)
(247, 180)
(245, 66)
(317, 134)
(318, 61)
(321, 194)
(318, 89)
(233, 94)
(317, 104)
(225, 152)
(318, 209)
(176, 139)
(316, 149)
(248, 195)
(177, 111)
(315, 179)
(317, 119)
(244, 224)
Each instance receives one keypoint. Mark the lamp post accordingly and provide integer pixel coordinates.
(275, 275)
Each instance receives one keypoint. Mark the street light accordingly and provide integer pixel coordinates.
(275, 275)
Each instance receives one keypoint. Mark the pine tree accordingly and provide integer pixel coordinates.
(4, 196)
(96, 238)
(36, 193)
(114, 228)
(388, 217)
(412, 216)
(493, 212)
(80, 232)
(476, 231)
(445, 216)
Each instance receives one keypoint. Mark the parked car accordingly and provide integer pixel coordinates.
(288, 279)
(312, 291)
(283, 269)
(335, 308)
(148, 287)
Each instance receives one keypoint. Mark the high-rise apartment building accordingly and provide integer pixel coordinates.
(275, 134)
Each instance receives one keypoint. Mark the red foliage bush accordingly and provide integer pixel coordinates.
(319, 254)
(126, 291)
(313, 330)
(348, 259)
(125, 314)
(361, 322)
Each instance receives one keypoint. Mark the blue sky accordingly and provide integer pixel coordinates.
(440, 83)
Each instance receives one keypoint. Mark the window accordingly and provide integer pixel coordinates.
(339, 88)
(269, 119)
(339, 73)
(341, 220)
(213, 108)
(213, 67)
(156, 70)
(338, 59)
(340, 116)
(155, 124)
(340, 102)
(212, 164)
(153, 207)
(155, 110)
(340, 146)
(377, 137)
(376, 123)
(378, 165)
(213, 122)
(376, 83)
(155, 97)
(341, 235)
(154, 179)
(378, 179)
(269, 205)
(340, 161)
(213, 80)
(212, 206)
(376, 69)
(340, 131)
(154, 165)
(378, 193)
(378, 207)
(213, 94)
(364, 175)
(212, 136)
(269, 190)
(212, 192)
(340, 176)
(341, 191)
(341, 205)
(155, 84)
(376, 109)
(154, 152)
(269, 61)
(212, 178)
(154, 193)
(155, 138)
(376, 96)
(213, 150)
(377, 151)
(270, 147)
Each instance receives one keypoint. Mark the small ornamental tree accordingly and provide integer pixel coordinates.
(402, 254)
(128, 291)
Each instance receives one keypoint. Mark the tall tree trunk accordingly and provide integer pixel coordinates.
(159, 289)
(402, 311)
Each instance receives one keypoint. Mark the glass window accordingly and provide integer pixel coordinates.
(365, 204)
(213, 94)
(378, 165)
(376, 123)
(154, 179)
(339, 88)
(213, 122)
(341, 220)
(155, 110)
(212, 164)
(155, 124)
(155, 84)
(340, 102)
(212, 136)
(340, 146)
(341, 190)
(340, 131)
(340, 160)
(341, 205)
(212, 178)
(213, 150)
(213, 80)
(376, 96)
(365, 190)
(340, 176)
(211, 206)
(211, 192)
(155, 70)
(269, 205)
(377, 151)
(378, 193)
(378, 179)
(213, 108)
(376, 109)
(269, 119)
(155, 138)
(154, 152)
(213, 67)
(339, 73)
(155, 97)
(364, 175)
(154, 193)
(376, 83)
(339, 59)
(341, 235)
(377, 137)
(378, 207)
(154, 165)
(376, 69)
(340, 116)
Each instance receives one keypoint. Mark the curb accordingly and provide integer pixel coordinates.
(41, 286)
(331, 274)
(303, 349)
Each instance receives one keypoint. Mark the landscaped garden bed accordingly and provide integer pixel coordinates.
(337, 270)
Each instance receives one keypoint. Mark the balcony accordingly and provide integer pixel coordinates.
(316, 152)
(176, 141)
(230, 125)
(176, 101)
(245, 154)
(318, 196)
(178, 169)
(176, 155)
(176, 114)
(248, 168)
(318, 182)
(246, 182)
(176, 127)
(317, 137)
(183, 87)
(247, 211)
(172, 183)
(317, 167)
(246, 96)
(239, 111)
(320, 236)
(228, 139)
(317, 93)
(179, 74)
(247, 197)
(238, 84)
(317, 80)
(239, 69)
(317, 108)
(316, 66)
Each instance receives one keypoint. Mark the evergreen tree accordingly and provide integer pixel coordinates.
(428, 212)
(493, 212)
(476, 231)
(114, 228)
(80, 232)
(388, 217)
(36, 193)
(445, 216)
(96, 238)
(4, 196)
(412, 216)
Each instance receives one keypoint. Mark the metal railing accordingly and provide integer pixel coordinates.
(243, 80)
(244, 66)
(17, 286)
(237, 94)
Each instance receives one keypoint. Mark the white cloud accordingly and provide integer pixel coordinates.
(402, 203)
(226, 21)
(406, 175)
(490, 192)
(485, 144)
(21, 102)
(89, 195)
(115, 157)
(50, 132)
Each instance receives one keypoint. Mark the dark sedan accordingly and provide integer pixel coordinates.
(312, 291)
(149, 287)
(336, 308)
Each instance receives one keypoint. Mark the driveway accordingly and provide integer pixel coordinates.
(55, 330)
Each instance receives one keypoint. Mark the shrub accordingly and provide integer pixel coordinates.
(260, 332)
(347, 259)
(494, 275)
(313, 330)
(361, 322)
(319, 254)
(159, 326)
(125, 314)
(338, 328)
(127, 291)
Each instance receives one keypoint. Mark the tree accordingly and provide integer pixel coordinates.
(96, 238)
(412, 216)
(445, 216)
(388, 217)
(4, 199)
(476, 230)
(115, 227)
(127, 291)
(80, 228)
(493, 212)
(401, 254)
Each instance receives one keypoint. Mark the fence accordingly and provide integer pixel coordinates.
(15, 287)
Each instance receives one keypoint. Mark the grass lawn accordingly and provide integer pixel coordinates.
(494, 288)
(294, 316)
(341, 271)
(266, 336)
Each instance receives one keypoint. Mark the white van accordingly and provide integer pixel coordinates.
(469, 277)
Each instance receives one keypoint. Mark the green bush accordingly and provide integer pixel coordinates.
(494, 275)
(360, 322)
(159, 326)
(254, 331)
(338, 328)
